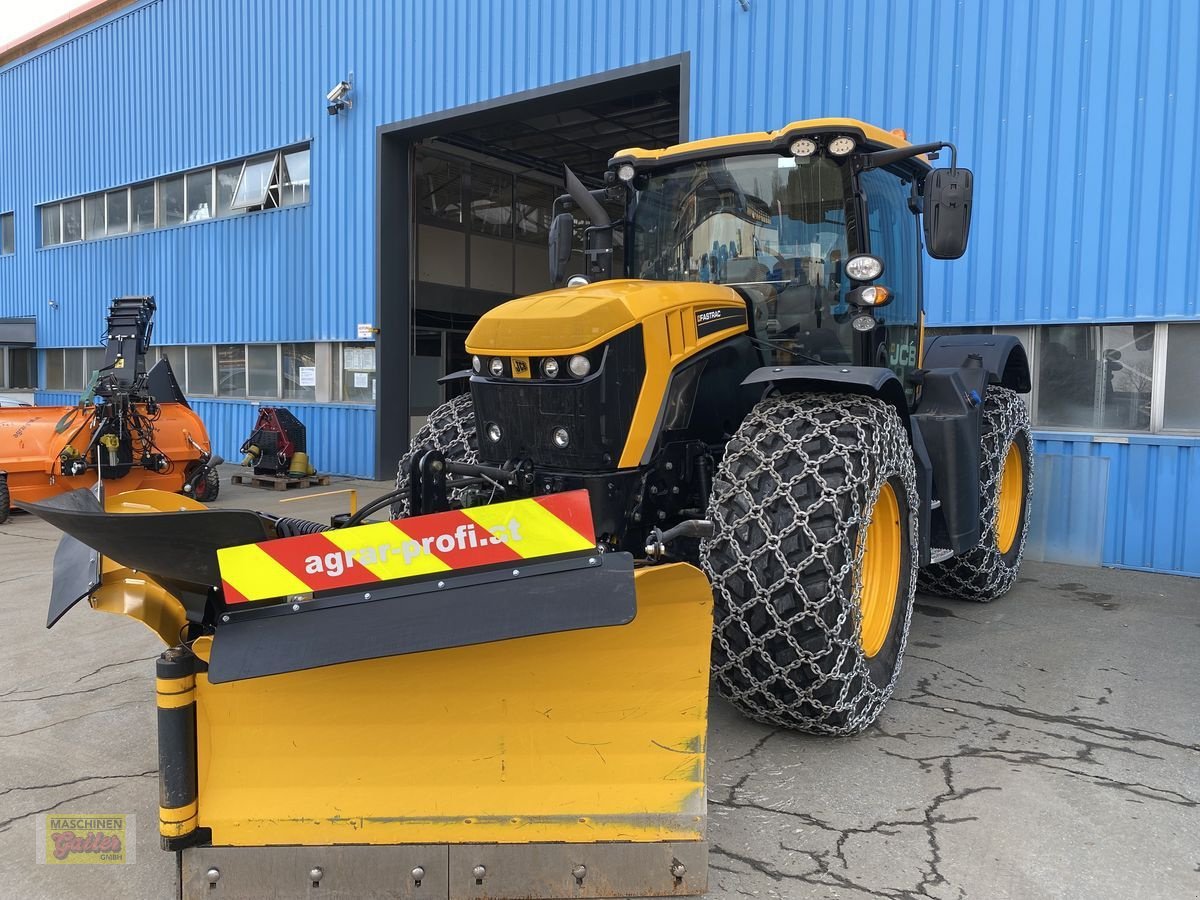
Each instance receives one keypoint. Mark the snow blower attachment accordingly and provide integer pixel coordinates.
(133, 429)
(472, 703)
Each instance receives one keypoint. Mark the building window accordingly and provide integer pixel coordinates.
(262, 370)
(437, 183)
(1095, 377)
(356, 371)
(21, 370)
(93, 217)
(1140, 377)
(72, 221)
(199, 365)
(73, 374)
(141, 202)
(227, 181)
(118, 211)
(231, 370)
(294, 178)
(1181, 386)
(254, 189)
(8, 236)
(170, 202)
(267, 181)
(298, 371)
(51, 225)
(54, 370)
(200, 195)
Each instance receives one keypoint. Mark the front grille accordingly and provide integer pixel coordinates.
(596, 411)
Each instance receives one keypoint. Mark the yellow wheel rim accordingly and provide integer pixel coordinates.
(1012, 493)
(880, 570)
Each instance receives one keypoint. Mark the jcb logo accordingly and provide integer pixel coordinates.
(520, 367)
(903, 355)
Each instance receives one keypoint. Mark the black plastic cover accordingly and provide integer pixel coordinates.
(76, 575)
(477, 608)
(161, 383)
(874, 381)
(178, 546)
(1003, 357)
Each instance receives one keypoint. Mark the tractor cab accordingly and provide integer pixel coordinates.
(814, 225)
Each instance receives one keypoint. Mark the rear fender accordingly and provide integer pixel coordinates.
(1003, 357)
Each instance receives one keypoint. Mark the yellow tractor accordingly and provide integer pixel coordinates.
(760, 367)
(734, 463)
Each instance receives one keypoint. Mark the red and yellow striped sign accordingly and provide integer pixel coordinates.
(422, 545)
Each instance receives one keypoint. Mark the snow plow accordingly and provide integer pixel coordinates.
(134, 429)
(472, 703)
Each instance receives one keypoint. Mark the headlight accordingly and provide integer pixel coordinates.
(864, 267)
(476, 364)
(493, 432)
(550, 367)
(579, 365)
(841, 146)
(625, 172)
(496, 366)
(803, 147)
(561, 438)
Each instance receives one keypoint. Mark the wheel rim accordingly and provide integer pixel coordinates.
(880, 571)
(1012, 491)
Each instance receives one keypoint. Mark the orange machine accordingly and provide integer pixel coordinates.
(134, 429)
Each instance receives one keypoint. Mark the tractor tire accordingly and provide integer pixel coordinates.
(5, 499)
(813, 561)
(1005, 489)
(451, 430)
(208, 487)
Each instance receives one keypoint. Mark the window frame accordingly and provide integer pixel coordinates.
(11, 218)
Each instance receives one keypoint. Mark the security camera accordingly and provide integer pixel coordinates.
(338, 92)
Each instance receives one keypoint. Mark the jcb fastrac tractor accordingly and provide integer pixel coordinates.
(503, 691)
(760, 367)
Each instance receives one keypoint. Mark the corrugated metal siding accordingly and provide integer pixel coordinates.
(341, 438)
(1079, 117)
(1151, 496)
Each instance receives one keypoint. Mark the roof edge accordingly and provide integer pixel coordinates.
(56, 29)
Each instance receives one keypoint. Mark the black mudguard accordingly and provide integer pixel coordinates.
(872, 381)
(1002, 355)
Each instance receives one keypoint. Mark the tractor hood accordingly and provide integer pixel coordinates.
(571, 320)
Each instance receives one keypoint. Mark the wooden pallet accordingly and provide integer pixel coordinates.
(279, 482)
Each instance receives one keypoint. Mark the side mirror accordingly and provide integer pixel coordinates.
(947, 212)
(562, 230)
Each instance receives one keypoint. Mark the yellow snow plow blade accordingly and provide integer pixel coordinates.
(578, 736)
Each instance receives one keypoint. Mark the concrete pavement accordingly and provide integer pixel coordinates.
(1044, 746)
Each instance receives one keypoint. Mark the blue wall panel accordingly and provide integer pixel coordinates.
(1152, 492)
(1079, 117)
(341, 438)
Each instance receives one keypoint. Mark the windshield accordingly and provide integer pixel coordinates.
(772, 225)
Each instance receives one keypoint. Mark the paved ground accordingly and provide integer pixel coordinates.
(1044, 746)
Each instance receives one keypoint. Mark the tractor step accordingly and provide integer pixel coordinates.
(939, 554)
(280, 482)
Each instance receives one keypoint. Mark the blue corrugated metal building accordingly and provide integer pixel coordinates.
(185, 149)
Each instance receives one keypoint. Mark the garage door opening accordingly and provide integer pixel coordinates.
(463, 214)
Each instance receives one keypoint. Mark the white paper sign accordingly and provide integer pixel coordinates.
(308, 376)
(366, 331)
(360, 379)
